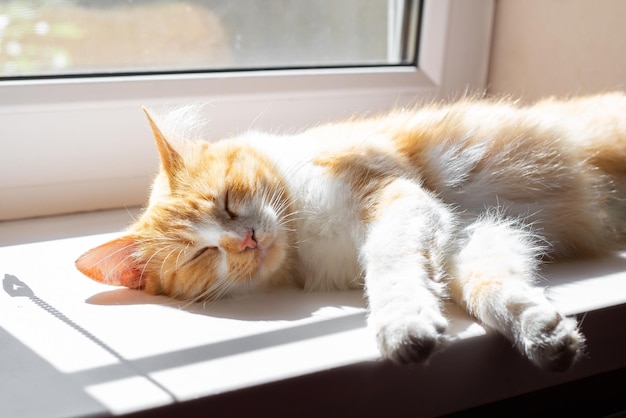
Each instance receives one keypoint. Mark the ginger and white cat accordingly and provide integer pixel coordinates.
(458, 201)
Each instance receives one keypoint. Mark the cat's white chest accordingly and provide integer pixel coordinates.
(329, 230)
(329, 234)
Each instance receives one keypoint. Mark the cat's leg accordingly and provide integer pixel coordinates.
(493, 277)
(404, 257)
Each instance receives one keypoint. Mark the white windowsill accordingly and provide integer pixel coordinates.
(96, 349)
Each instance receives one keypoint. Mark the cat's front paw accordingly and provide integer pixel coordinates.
(411, 337)
(551, 341)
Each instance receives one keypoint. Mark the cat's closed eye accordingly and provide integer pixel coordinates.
(200, 253)
(228, 208)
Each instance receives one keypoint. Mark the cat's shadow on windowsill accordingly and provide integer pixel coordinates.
(277, 305)
(295, 304)
(282, 305)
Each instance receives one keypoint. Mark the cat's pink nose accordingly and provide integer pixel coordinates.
(249, 242)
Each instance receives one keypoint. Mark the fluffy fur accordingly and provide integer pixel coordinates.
(456, 201)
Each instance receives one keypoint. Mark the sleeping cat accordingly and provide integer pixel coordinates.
(458, 201)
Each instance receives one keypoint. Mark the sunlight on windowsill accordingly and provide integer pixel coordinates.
(117, 350)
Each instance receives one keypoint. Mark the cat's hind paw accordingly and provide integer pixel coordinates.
(410, 338)
(551, 341)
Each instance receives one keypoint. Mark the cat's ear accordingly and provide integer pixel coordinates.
(171, 161)
(112, 263)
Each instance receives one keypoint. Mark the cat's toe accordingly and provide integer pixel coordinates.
(411, 338)
(551, 341)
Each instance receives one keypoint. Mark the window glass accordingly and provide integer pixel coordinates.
(63, 37)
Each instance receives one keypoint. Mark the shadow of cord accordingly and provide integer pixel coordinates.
(14, 287)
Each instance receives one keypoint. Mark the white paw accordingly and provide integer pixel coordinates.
(409, 337)
(551, 341)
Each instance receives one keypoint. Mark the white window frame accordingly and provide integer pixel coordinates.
(80, 144)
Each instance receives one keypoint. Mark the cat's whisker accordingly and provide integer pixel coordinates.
(582, 320)
(190, 302)
(143, 270)
(292, 216)
(258, 116)
(163, 263)
(294, 169)
(210, 295)
(182, 251)
(128, 212)
(290, 221)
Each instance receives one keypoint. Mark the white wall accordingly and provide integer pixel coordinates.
(558, 47)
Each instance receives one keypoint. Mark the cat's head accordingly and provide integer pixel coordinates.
(218, 223)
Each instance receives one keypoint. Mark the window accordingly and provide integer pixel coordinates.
(72, 137)
(62, 37)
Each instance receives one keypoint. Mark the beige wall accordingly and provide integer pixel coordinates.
(558, 47)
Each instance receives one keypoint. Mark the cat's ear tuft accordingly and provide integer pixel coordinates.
(171, 160)
(112, 263)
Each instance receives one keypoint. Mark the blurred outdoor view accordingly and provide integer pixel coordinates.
(62, 37)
